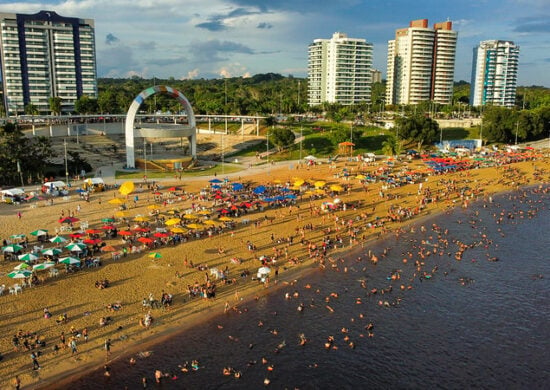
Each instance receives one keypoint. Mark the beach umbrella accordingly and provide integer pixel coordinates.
(58, 239)
(108, 248)
(76, 235)
(190, 216)
(141, 218)
(21, 266)
(209, 222)
(141, 229)
(39, 232)
(116, 201)
(68, 220)
(44, 265)
(195, 226)
(225, 219)
(108, 220)
(19, 274)
(172, 221)
(173, 189)
(126, 188)
(17, 236)
(336, 188)
(299, 182)
(173, 211)
(178, 230)
(51, 251)
(360, 177)
(94, 231)
(161, 234)
(259, 190)
(28, 257)
(290, 196)
(145, 240)
(237, 186)
(204, 212)
(108, 227)
(125, 233)
(13, 248)
(155, 255)
(215, 181)
(76, 247)
(121, 214)
(319, 184)
(216, 186)
(92, 241)
(70, 260)
(153, 206)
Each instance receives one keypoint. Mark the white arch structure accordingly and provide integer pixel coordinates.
(189, 130)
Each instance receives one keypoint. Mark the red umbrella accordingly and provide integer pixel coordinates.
(76, 235)
(125, 233)
(108, 227)
(141, 229)
(172, 189)
(91, 241)
(145, 240)
(68, 220)
(93, 231)
(157, 193)
(161, 234)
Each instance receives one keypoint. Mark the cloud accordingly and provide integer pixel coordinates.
(533, 25)
(167, 61)
(110, 39)
(212, 49)
(214, 25)
(264, 25)
(192, 74)
(233, 70)
(116, 61)
(218, 22)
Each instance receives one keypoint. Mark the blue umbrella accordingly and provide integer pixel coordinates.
(215, 181)
(290, 196)
(259, 190)
(279, 197)
(286, 189)
(237, 186)
(216, 187)
(80, 190)
(269, 200)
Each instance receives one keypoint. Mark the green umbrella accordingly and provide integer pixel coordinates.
(70, 260)
(44, 265)
(28, 257)
(155, 255)
(51, 251)
(13, 248)
(76, 247)
(39, 232)
(19, 274)
(17, 236)
(21, 266)
(108, 220)
(58, 239)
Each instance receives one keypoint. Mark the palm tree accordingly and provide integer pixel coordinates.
(391, 146)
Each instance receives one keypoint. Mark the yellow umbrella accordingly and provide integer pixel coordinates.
(295, 188)
(299, 182)
(209, 222)
(225, 219)
(320, 184)
(277, 181)
(116, 201)
(195, 226)
(126, 188)
(121, 214)
(178, 230)
(153, 206)
(319, 191)
(141, 218)
(172, 221)
(336, 187)
(190, 216)
(360, 177)
(204, 212)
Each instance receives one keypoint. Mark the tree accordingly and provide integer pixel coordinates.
(282, 138)
(55, 105)
(31, 109)
(499, 124)
(85, 105)
(391, 146)
(421, 129)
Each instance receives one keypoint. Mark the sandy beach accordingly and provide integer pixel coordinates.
(135, 276)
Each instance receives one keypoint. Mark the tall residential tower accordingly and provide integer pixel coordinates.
(46, 55)
(494, 73)
(339, 70)
(421, 62)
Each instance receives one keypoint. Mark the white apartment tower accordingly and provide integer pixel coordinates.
(46, 55)
(494, 73)
(421, 63)
(339, 70)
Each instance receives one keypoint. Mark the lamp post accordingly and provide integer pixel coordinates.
(145, 158)
(66, 162)
(301, 140)
(517, 128)
(223, 159)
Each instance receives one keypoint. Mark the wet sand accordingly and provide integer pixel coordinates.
(134, 277)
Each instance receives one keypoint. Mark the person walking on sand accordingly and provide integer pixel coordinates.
(73, 346)
(34, 358)
(19, 215)
(16, 382)
(108, 346)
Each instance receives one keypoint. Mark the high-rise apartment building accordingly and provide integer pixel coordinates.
(339, 70)
(46, 55)
(421, 62)
(494, 73)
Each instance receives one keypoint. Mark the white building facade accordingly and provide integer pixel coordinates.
(339, 70)
(46, 55)
(494, 73)
(421, 63)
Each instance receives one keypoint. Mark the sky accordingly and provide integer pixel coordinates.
(190, 39)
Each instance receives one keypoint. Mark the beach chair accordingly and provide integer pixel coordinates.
(54, 272)
(17, 288)
(12, 291)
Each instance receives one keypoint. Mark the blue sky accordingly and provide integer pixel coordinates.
(228, 38)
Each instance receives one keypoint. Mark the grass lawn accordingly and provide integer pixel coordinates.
(207, 171)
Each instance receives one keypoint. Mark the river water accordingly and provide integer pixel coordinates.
(471, 323)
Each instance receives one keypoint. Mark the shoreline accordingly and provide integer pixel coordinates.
(203, 312)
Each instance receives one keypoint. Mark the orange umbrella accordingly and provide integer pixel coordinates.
(108, 248)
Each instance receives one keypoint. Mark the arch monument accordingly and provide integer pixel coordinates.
(189, 130)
